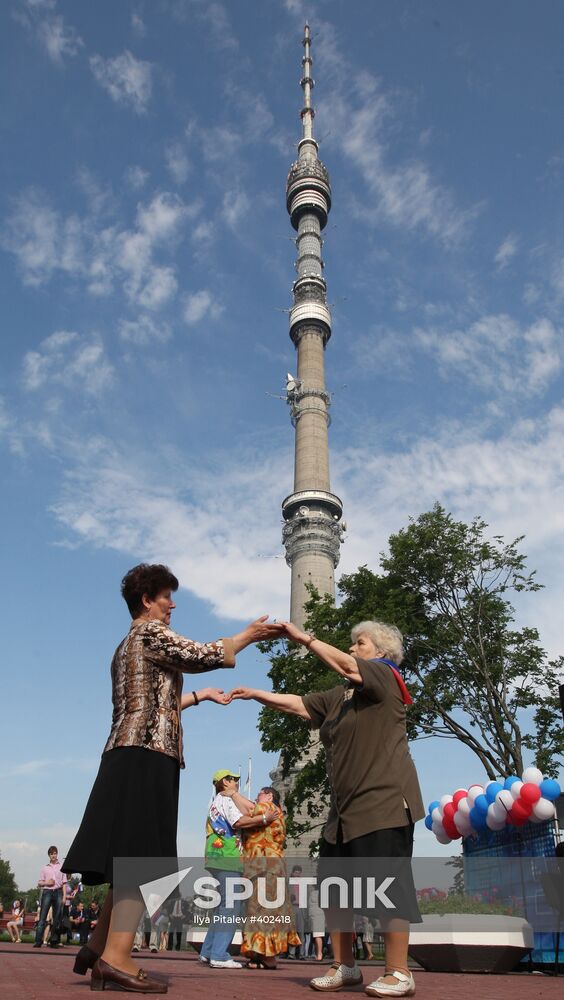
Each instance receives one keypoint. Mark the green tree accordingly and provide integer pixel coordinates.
(473, 675)
(8, 887)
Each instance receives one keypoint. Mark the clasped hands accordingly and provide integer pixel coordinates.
(266, 630)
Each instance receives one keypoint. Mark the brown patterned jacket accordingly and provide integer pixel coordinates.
(147, 670)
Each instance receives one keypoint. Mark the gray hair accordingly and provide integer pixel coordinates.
(387, 638)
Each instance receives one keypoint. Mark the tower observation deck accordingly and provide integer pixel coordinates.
(312, 531)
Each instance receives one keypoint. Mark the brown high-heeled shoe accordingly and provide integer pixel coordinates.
(105, 975)
(85, 959)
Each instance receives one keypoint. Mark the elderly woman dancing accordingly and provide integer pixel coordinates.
(133, 807)
(375, 795)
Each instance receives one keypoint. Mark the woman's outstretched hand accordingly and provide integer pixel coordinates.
(244, 693)
(258, 631)
(293, 633)
(215, 694)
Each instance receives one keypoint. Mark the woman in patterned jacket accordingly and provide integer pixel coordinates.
(133, 807)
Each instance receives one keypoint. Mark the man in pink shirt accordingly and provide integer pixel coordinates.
(51, 881)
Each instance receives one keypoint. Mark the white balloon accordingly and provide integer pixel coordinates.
(462, 823)
(473, 793)
(516, 789)
(532, 774)
(535, 819)
(443, 838)
(437, 816)
(505, 799)
(437, 827)
(497, 812)
(464, 807)
(494, 824)
(543, 809)
(443, 801)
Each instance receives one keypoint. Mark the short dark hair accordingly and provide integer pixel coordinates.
(274, 792)
(52, 848)
(147, 578)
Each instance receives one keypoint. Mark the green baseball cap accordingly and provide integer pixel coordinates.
(224, 774)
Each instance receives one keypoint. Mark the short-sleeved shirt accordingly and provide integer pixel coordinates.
(224, 808)
(370, 769)
(53, 871)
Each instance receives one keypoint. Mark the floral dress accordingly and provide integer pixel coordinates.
(268, 931)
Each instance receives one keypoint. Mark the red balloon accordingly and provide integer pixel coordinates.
(517, 820)
(450, 827)
(449, 811)
(530, 793)
(460, 794)
(521, 811)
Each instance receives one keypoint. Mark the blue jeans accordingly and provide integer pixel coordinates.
(50, 898)
(220, 935)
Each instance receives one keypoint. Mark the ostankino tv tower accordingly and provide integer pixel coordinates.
(312, 532)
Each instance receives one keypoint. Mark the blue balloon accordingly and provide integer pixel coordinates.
(429, 822)
(477, 818)
(491, 791)
(481, 804)
(549, 789)
(509, 782)
(433, 805)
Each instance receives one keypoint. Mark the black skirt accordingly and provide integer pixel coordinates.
(132, 812)
(381, 854)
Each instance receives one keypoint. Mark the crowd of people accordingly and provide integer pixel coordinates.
(132, 810)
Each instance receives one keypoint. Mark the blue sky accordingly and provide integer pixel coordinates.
(146, 266)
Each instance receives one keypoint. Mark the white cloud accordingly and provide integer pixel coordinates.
(220, 143)
(204, 232)
(515, 481)
(44, 241)
(143, 331)
(31, 233)
(59, 39)
(136, 177)
(64, 358)
(404, 194)
(236, 206)
(138, 25)
(158, 289)
(506, 251)
(497, 354)
(115, 501)
(108, 502)
(162, 217)
(199, 305)
(177, 162)
(127, 80)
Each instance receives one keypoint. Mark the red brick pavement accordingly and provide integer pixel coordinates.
(26, 974)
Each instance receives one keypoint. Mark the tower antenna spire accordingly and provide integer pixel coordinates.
(307, 84)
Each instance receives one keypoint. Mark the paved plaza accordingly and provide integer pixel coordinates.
(47, 975)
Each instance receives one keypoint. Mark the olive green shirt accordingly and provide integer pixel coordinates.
(370, 769)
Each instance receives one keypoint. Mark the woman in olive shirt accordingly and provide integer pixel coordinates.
(375, 795)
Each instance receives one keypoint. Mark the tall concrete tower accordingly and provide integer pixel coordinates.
(312, 531)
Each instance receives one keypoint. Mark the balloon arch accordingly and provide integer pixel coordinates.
(513, 801)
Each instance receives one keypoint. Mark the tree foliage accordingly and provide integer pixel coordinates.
(473, 674)
(8, 887)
